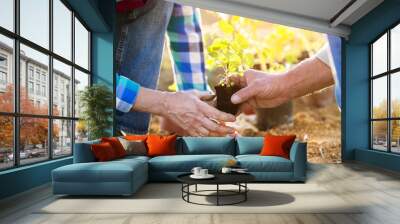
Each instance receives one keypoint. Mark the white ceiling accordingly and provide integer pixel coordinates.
(321, 9)
(317, 15)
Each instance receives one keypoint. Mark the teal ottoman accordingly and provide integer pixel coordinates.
(119, 177)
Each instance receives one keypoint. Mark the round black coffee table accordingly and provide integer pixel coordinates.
(238, 179)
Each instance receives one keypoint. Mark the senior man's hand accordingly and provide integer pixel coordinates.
(263, 90)
(193, 116)
(260, 90)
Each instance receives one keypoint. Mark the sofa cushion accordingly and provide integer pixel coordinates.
(116, 145)
(159, 145)
(103, 152)
(112, 171)
(249, 145)
(206, 145)
(257, 163)
(185, 163)
(277, 145)
(83, 153)
(135, 137)
(134, 147)
(133, 158)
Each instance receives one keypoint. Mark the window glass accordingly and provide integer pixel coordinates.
(395, 136)
(81, 45)
(33, 140)
(81, 82)
(6, 74)
(81, 131)
(6, 142)
(379, 135)
(395, 94)
(395, 47)
(379, 56)
(62, 138)
(379, 97)
(62, 29)
(7, 14)
(34, 21)
(34, 81)
(39, 62)
(62, 91)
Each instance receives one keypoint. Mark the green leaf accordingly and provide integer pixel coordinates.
(241, 41)
(225, 27)
(248, 60)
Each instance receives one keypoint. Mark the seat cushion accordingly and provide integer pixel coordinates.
(134, 157)
(206, 145)
(257, 163)
(185, 163)
(113, 171)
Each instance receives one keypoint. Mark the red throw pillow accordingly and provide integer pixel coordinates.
(135, 137)
(116, 145)
(277, 145)
(161, 145)
(103, 152)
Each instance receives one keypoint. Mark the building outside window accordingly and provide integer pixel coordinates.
(44, 77)
(38, 89)
(37, 75)
(30, 72)
(30, 87)
(44, 91)
(3, 77)
(56, 128)
(3, 72)
(385, 91)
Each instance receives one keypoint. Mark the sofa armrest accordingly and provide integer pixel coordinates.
(298, 155)
(83, 152)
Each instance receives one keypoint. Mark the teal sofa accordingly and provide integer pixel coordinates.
(125, 176)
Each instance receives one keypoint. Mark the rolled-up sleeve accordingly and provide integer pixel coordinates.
(126, 93)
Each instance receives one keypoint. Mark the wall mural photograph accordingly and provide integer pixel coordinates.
(222, 54)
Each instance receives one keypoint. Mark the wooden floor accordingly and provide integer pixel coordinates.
(378, 189)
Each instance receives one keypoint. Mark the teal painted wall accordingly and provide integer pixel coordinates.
(356, 86)
(99, 16)
(24, 178)
(103, 50)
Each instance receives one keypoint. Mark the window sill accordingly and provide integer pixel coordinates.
(377, 158)
(30, 166)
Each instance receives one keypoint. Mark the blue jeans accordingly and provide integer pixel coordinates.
(140, 58)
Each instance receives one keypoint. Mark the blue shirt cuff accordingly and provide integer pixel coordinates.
(126, 93)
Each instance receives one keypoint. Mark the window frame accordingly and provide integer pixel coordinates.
(16, 115)
(388, 74)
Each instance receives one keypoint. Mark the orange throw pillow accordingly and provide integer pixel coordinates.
(135, 137)
(277, 145)
(161, 145)
(103, 152)
(116, 145)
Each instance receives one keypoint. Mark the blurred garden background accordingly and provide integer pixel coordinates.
(314, 118)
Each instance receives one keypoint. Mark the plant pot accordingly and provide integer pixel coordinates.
(224, 94)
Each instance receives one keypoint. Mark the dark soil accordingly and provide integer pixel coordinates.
(224, 94)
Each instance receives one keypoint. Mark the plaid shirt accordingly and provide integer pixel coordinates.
(186, 47)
